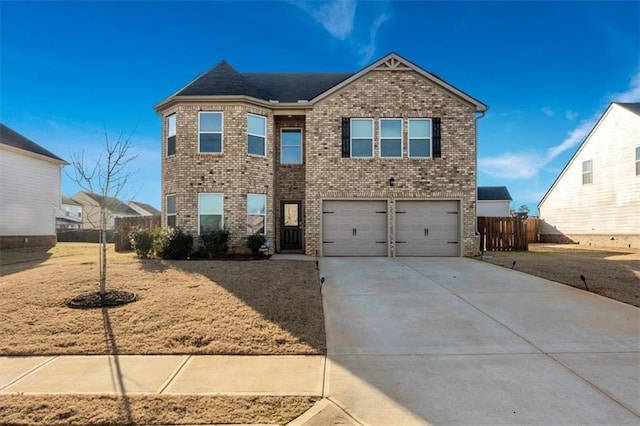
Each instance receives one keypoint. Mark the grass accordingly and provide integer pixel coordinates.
(610, 272)
(183, 307)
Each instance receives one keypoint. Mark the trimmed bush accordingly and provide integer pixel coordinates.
(254, 242)
(141, 242)
(171, 243)
(213, 243)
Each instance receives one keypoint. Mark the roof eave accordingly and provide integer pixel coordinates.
(302, 104)
(58, 161)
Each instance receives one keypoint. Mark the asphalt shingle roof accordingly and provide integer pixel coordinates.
(147, 207)
(494, 193)
(223, 80)
(12, 138)
(113, 204)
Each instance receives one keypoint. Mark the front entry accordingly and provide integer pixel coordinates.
(291, 225)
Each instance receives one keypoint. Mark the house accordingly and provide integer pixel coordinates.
(380, 162)
(143, 209)
(596, 198)
(29, 191)
(91, 203)
(69, 215)
(494, 201)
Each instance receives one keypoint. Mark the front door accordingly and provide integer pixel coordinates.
(291, 236)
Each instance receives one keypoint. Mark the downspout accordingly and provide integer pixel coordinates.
(477, 117)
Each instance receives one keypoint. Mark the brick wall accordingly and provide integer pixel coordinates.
(391, 94)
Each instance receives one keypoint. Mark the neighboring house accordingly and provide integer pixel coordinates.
(494, 201)
(381, 162)
(143, 209)
(91, 209)
(69, 216)
(596, 198)
(29, 191)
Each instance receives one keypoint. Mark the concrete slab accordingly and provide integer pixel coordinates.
(414, 324)
(570, 320)
(371, 275)
(617, 374)
(250, 375)
(12, 368)
(133, 374)
(324, 413)
(468, 389)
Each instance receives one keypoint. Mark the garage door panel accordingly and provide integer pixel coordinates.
(354, 228)
(427, 228)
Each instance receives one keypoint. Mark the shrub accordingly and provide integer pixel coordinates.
(254, 242)
(213, 243)
(171, 243)
(142, 242)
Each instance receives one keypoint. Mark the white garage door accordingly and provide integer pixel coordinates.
(427, 228)
(354, 228)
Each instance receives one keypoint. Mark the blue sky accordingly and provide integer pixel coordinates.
(546, 69)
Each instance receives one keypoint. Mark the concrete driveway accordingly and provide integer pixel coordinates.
(458, 341)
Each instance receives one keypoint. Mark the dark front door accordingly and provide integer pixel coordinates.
(291, 238)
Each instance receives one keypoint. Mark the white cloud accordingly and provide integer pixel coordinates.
(547, 111)
(337, 16)
(367, 51)
(571, 115)
(511, 165)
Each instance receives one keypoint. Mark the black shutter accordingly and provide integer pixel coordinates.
(437, 140)
(346, 137)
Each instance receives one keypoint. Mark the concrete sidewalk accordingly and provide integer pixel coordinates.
(417, 341)
(163, 374)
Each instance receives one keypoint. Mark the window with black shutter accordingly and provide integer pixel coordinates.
(346, 137)
(437, 139)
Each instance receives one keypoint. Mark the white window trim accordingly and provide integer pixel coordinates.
(167, 214)
(260, 136)
(301, 145)
(637, 151)
(401, 138)
(221, 213)
(590, 172)
(174, 134)
(254, 214)
(351, 137)
(430, 138)
(221, 132)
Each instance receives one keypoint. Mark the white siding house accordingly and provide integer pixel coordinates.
(493, 201)
(29, 191)
(596, 198)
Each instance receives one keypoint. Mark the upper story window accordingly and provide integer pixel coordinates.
(638, 161)
(419, 137)
(587, 172)
(210, 132)
(256, 213)
(171, 211)
(362, 137)
(291, 146)
(256, 135)
(210, 212)
(391, 137)
(171, 135)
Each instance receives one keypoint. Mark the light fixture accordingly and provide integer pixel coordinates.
(392, 181)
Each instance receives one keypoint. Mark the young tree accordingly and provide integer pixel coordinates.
(523, 210)
(106, 176)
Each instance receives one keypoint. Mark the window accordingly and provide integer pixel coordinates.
(391, 137)
(362, 137)
(256, 135)
(256, 213)
(638, 161)
(587, 172)
(420, 138)
(291, 146)
(210, 132)
(171, 211)
(171, 135)
(210, 217)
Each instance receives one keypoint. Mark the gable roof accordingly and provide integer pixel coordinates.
(148, 207)
(71, 202)
(113, 204)
(14, 139)
(223, 80)
(494, 193)
(632, 107)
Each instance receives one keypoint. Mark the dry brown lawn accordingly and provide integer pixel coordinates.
(183, 307)
(149, 410)
(610, 272)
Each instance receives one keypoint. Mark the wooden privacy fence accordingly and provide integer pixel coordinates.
(503, 233)
(124, 226)
(533, 230)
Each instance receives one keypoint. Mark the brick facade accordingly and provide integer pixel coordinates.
(399, 93)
